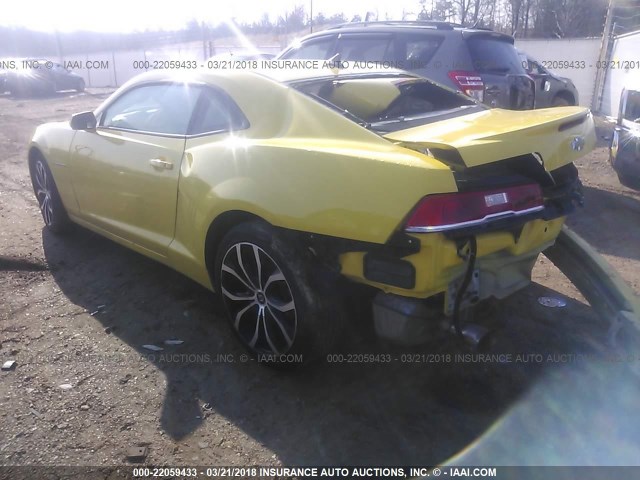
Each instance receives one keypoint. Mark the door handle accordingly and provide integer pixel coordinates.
(157, 163)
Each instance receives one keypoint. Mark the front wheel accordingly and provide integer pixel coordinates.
(53, 211)
(279, 303)
(80, 86)
(629, 181)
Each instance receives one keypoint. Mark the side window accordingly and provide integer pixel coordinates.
(419, 50)
(364, 48)
(315, 49)
(216, 113)
(160, 108)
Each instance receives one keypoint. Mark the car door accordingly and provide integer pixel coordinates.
(125, 172)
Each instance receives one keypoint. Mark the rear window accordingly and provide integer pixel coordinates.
(386, 104)
(491, 55)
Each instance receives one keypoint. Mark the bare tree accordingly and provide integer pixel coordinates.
(424, 14)
(516, 7)
(569, 18)
(443, 10)
(462, 7)
(476, 10)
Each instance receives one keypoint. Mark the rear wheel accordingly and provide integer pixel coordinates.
(276, 299)
(80, 85)
(53, 211)
(561, 101)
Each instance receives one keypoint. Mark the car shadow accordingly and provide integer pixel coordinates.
(414, 410)
(609, 221)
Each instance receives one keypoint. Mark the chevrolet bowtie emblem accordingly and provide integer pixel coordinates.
(577, 144)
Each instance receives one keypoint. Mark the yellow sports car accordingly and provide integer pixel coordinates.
(270, 186)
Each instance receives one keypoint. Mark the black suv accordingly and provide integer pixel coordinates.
(481, 63)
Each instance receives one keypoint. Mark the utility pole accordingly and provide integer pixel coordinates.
(311, 16)
(601, 72)
(204, 42)
(59, 46)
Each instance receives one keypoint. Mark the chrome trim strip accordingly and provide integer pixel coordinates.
(473, 223)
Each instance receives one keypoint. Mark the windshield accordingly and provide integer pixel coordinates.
(386, 104)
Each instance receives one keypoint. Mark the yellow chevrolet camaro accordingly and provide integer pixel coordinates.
(270, 188)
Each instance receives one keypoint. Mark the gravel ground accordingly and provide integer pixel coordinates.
(76, 311)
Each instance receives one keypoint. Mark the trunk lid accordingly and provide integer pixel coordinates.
(558, 135)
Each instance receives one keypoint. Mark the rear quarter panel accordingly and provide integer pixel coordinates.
(348, 190)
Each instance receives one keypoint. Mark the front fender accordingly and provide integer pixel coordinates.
(53, 141)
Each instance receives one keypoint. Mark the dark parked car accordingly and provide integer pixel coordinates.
(551, 89)
(481, 63)
(624, 153)
(39, 76)
(3, 81)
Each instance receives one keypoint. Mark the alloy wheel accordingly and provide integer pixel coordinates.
(258, 298)
(43, 192)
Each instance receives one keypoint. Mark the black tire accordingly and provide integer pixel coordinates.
(45, 88)
(629, 181)
(53, 212)
(80, 85)
(51, 89)
(286, 316)
(560, 101)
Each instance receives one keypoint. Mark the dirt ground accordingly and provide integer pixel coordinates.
(75, 312)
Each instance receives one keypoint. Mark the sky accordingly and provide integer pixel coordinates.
(131, 15)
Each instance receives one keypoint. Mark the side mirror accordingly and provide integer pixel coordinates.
(83, 121)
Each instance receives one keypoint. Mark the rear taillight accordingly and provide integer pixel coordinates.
(449, 211)
(469, 83)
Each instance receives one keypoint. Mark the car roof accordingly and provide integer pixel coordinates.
(439, 25)
(403, 26)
